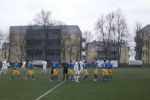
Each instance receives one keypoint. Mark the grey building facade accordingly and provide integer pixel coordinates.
(142, 48)
(139, 39)
(44, 42)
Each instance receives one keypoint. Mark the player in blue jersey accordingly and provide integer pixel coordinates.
(15, 71)
(85, 71)
(110, 66)
(105, 71)
(95, 70)
(30, 72)
(54, 70)
(70, 70)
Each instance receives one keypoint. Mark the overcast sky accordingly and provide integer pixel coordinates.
(83, 13)
(73, 12)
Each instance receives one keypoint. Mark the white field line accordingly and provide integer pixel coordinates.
(50, 90)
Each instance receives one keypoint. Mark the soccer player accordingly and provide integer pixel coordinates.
(105, 71)
(15, 72)
(23, 65)
(65, 70)
(85, 71)
(30, 73)
(4, 69)
(8, 64)
(70, 70)
(44, 66)
(95, 70)
(54, 71)
(110, 66)
(76, 71)
(51, 77)
(81, 66)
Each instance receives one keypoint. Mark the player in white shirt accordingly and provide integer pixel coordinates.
(76, 71)
(7, 66)
(81, 66)
(4, 67)
(44, 66)
(23, 65)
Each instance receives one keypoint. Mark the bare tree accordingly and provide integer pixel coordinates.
(104, 27)
(112, 28)
(120, 31)
(73, 46)
(69, 44)
(1, 39)
(100, 28)
(21, 45)
(3, 44)
(17, 46)
(138, 26)
(58, 22)
(64, 38)
(88, 37)
(30, 41)
(43, 18)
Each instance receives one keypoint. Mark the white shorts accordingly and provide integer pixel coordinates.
(76, 72)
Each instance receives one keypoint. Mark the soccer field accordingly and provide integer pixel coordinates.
(127, 84)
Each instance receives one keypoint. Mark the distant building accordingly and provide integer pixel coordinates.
(45, 43)
(142, 48)
(124, 58)
(96, 50)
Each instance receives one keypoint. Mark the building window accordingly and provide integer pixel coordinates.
(38, 52)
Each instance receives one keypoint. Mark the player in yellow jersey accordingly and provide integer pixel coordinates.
(85, 71)
(70, 70)
(105, 71)
(15, 72)
(95, 70)
(54, 71)
(30, 72)
(110, 66)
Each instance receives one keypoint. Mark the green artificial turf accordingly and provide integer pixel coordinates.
(127, 84)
